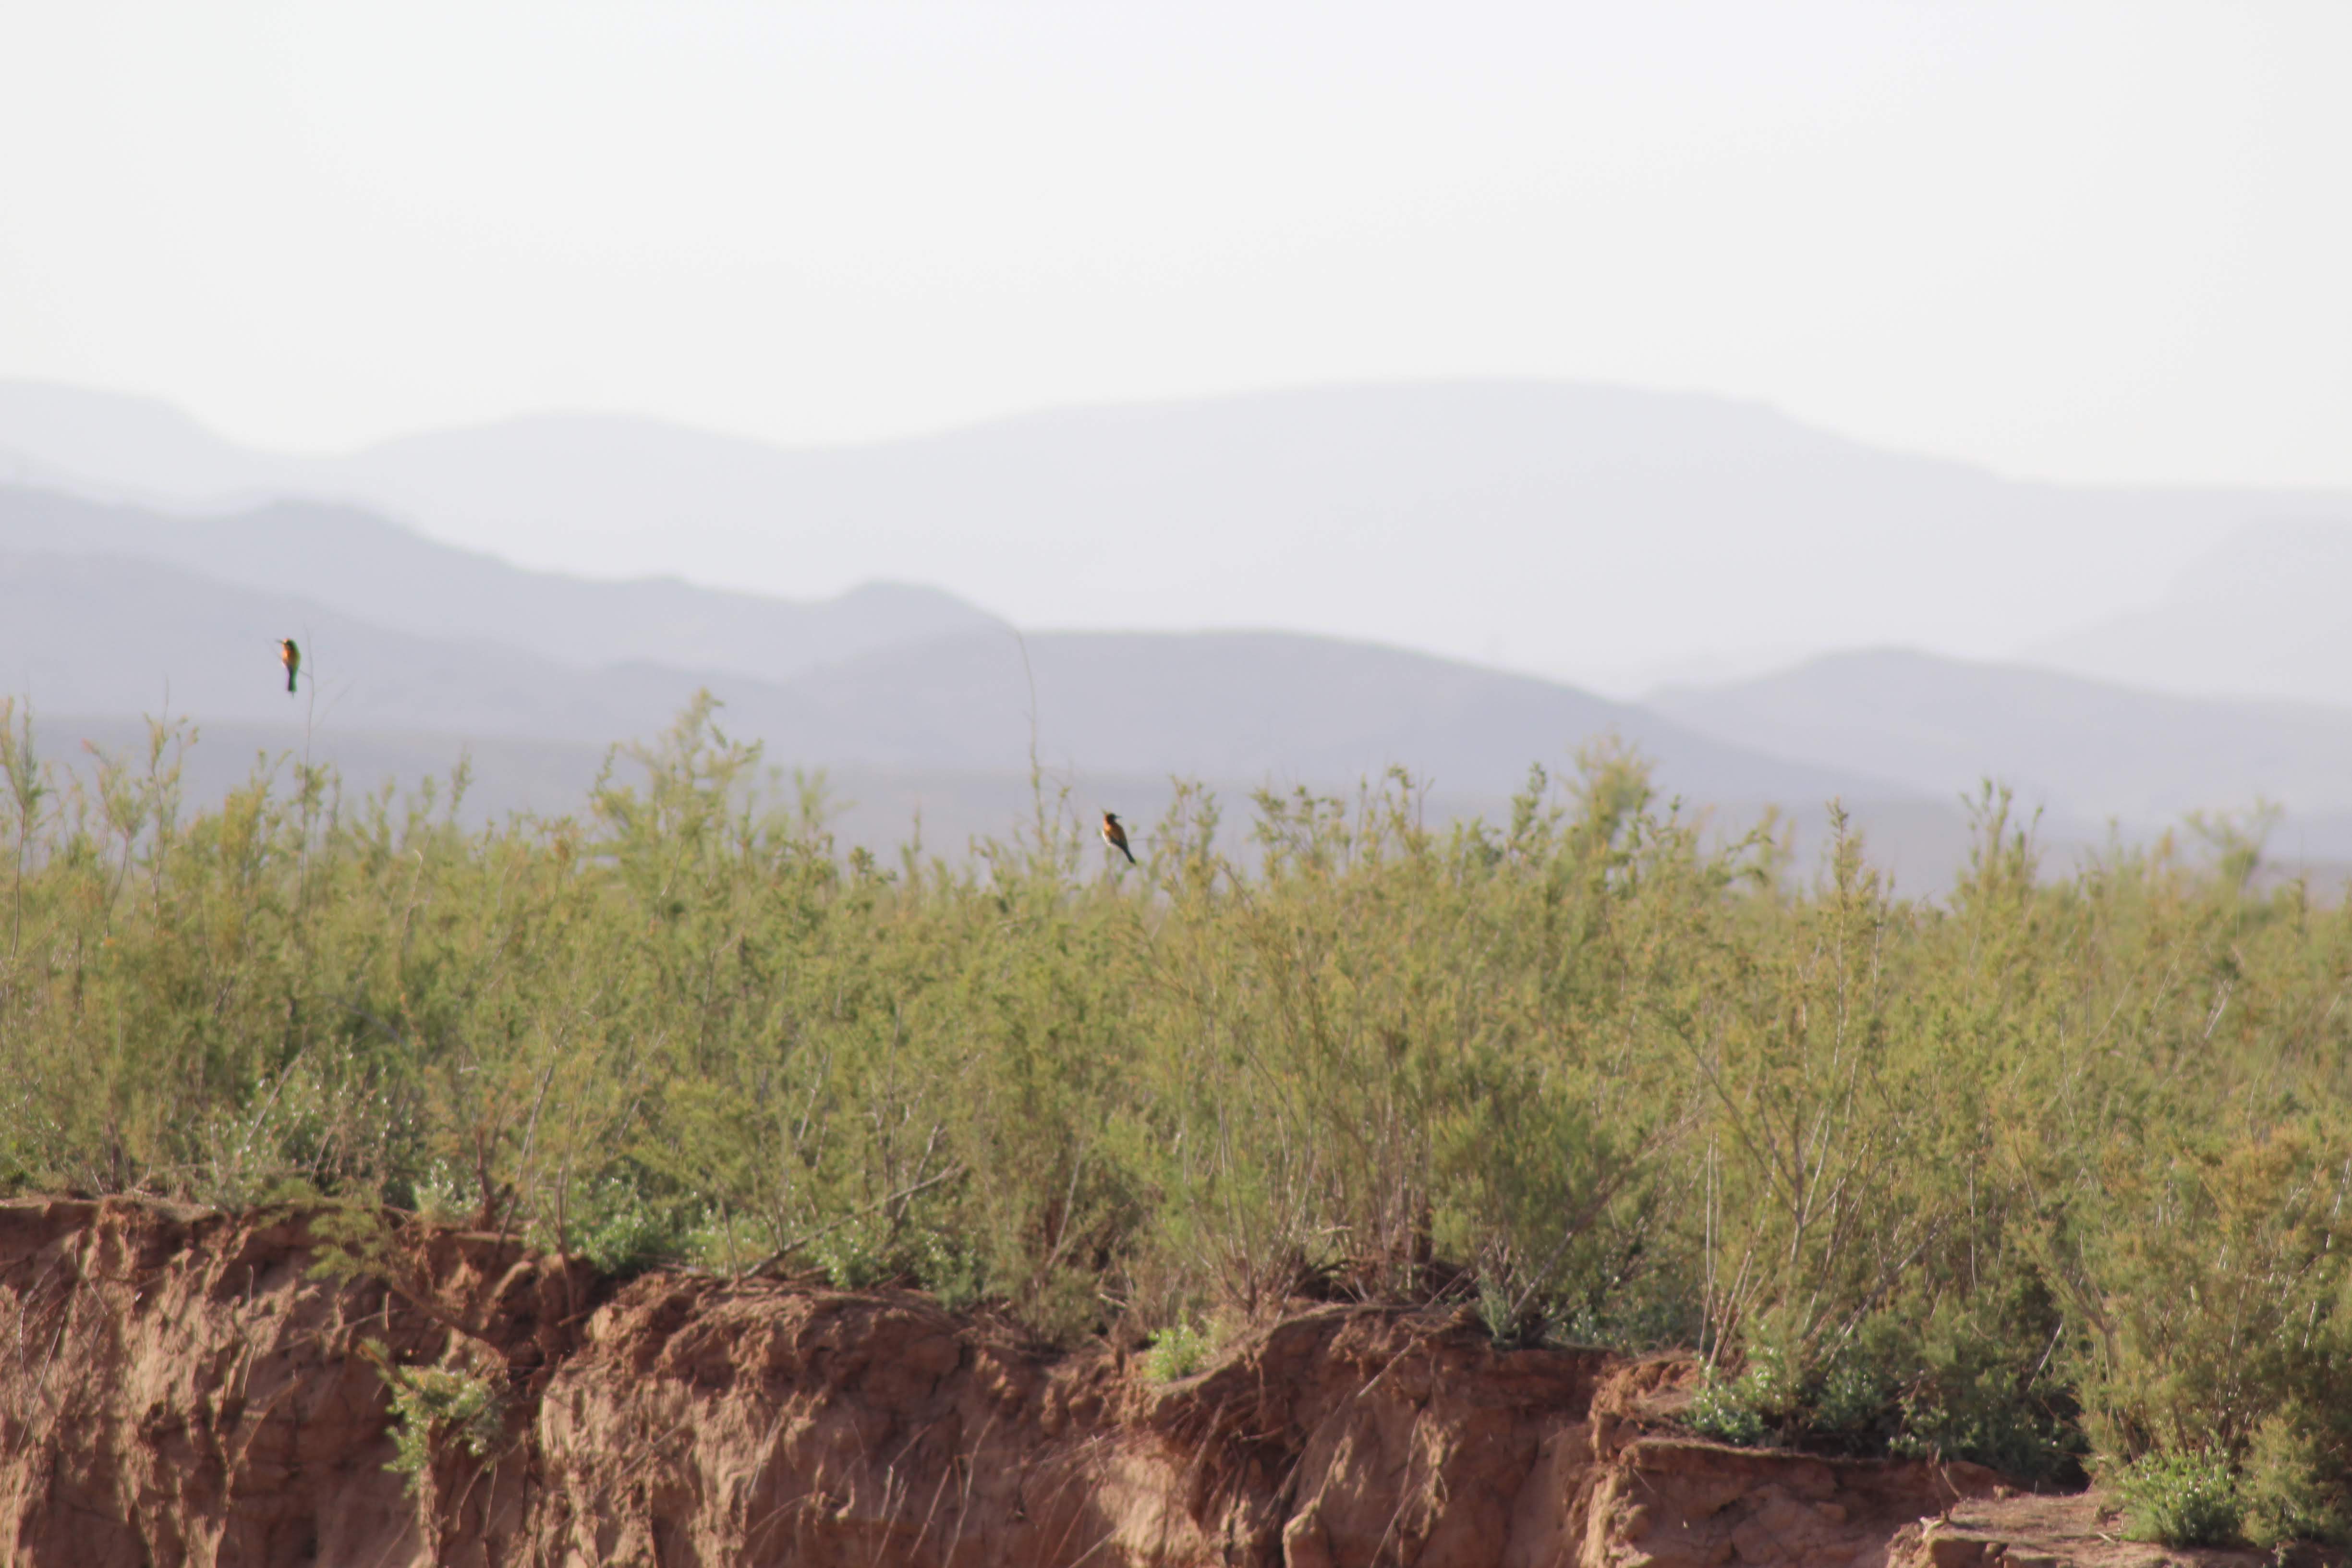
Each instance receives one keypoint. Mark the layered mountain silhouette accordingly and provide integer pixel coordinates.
(2263, 613)
(941, 730)
(1595, 534)
(2087, 750)
(96, 635)
(1609, 527)
(358, 565)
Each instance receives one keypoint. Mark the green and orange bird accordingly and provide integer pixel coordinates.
(292, 658)
(1115, 836)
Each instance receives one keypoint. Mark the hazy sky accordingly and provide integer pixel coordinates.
(2086, 241)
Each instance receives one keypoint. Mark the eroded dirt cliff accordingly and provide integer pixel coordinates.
(183, 1386)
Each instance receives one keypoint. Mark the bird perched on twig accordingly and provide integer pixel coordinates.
(292, 658)
(1115, 836)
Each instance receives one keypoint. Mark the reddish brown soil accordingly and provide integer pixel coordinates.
(182, 1386)
(2013, 1531)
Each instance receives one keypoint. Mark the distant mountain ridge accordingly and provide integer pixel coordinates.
(103, 635)
(949, 717)
(2262, 614)
(2087, 748)
(1586, 534)
(106, 608)
(361, 565)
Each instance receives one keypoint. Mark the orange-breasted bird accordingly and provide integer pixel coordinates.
(1115, 836)
(292, 658)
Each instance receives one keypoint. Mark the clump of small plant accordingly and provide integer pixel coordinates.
(856, 1257)
(1743, 1410)
(2289, 1483)
(1849, 1405)
(1512, 1323)
(2180, 1498)
(434, 1406)
(622, 1232)
(1720, 1410)
(1178, 1350)
(442, 1191)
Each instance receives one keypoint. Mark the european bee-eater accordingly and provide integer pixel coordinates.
(1115, 836)
(292, 658)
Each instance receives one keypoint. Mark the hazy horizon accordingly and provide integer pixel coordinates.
(1611, 348)
(1649, 537)
(951, 425)
(2076, 244)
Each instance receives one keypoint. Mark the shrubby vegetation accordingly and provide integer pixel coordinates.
(1178, 1350)
(2183, 1498)
(2046, 1168)
(435, 1406)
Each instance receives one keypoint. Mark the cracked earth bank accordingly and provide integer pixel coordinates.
(185, 1386)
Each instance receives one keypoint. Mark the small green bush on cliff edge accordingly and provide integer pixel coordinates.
(434, 1406)
(1177, 1352)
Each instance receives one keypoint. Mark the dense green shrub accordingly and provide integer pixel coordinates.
(1730, 1410)
(2292, 1482)
(618, 1228)
(434, 1408)
(2044, 1165)
(2180, 1498)
(1180, 1350)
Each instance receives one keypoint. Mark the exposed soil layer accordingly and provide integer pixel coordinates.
(184, 1386)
